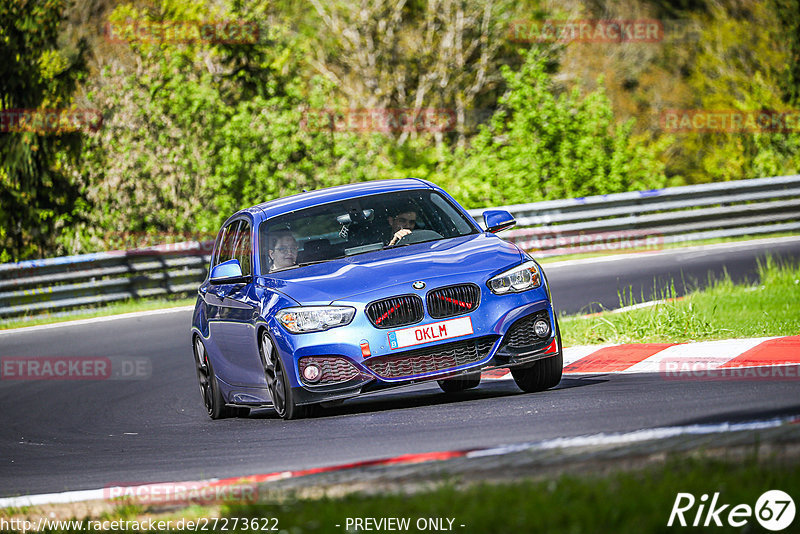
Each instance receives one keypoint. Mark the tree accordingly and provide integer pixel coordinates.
(37, 196)
(196, 131)
(738, 69)
(545, 143)
(442, 54)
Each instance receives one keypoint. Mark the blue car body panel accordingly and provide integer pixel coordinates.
(228, 318)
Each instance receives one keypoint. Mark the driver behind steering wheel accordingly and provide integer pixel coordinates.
(403, 220)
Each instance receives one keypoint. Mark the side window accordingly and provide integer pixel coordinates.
(227, 243)
(243, 247)
(452, 220)
(263, 245)
(217, 247)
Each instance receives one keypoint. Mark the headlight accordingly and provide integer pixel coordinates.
(520, 278)
(315, 318)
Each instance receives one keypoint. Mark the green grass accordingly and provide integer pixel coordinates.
(723, 310)
(667, 246)
(622, 501)
(127, 306)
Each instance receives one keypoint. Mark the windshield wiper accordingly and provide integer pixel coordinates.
(304, 263)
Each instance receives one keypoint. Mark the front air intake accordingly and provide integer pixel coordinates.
(427, 360)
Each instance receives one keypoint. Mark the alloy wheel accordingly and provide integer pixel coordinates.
(203, 375)
(276, 378)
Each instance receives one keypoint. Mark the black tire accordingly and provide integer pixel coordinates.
(209, 387)
(542, 374)
(280, 390)
(454, 385)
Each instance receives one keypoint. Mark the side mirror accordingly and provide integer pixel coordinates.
(498, 220)
(228, 272)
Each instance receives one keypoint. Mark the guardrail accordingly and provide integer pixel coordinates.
(38, 286)
(639, 219)
(650, 219)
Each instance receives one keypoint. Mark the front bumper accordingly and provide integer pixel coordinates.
(518, 346)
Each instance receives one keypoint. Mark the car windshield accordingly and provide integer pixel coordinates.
(356, 226)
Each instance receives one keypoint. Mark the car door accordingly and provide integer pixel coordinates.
(238, 307)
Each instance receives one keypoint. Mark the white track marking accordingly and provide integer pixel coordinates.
(52, 498)
(626, 438)
(93, 320)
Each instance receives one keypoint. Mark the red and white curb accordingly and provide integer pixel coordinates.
(709, 357)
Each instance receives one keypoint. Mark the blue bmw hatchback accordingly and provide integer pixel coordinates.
(322, 296)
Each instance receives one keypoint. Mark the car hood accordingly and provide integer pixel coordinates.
(364, 275)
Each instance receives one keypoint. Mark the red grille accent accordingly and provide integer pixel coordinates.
(467, 305)
(334, 369)
(395, 311)
(453, 300)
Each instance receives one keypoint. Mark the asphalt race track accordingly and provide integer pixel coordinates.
(62, 435)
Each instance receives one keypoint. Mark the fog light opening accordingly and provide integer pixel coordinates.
(312, 373)
(541, 328)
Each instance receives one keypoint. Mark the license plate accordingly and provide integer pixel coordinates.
(418, 335)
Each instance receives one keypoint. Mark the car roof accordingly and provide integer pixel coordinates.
(299, 201)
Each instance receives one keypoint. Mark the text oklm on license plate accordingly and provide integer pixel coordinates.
(418, 335)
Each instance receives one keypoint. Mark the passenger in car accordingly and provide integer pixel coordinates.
(282, 250)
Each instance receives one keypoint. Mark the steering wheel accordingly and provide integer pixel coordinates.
(418, 236)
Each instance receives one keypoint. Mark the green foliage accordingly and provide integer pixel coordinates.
(786, 11)
(727, 75)
(37, 197)
(198, 132)
(545, 143)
